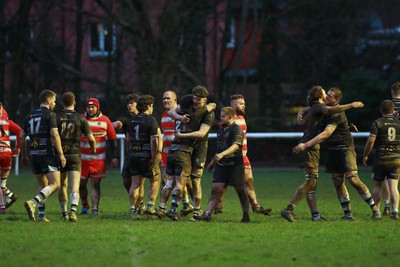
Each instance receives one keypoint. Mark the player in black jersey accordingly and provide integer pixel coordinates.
(229, 166)
(143, 153)
(179, 159)
(71, 126)
(385, 132)
(395, 92)
(46, 154)
(316, 114)
(342, 162)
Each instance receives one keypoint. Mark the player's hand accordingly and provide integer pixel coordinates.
(365, 159)
(299, 148)
(211, 106)
(92, 150)
(158, 157)
(178, 135)
(114, 163)
(63, 161)
(357, 104)
(184, 118)
(15, 152)
(353, 128)
(24, 161)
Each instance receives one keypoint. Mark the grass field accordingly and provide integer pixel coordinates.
(114, 239)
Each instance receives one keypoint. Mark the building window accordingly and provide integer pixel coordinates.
(102, 39)
(231, 34)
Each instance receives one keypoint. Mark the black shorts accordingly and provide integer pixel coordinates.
(199, 157)
(341, 160)
(45, 164)
(178, 163)
(139, 166)
(74, 163)
(229, 175)
(310, 158)
(389, 169)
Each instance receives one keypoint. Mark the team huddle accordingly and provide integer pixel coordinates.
(67, 149)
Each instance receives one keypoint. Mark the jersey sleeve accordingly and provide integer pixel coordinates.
(374, 128)
(53, 121)
(209, 119)
(85, 127)
(237, 136)
(14, 128)
(153, 126)
(111, 134)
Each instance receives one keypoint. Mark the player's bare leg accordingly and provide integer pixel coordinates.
(95, 195)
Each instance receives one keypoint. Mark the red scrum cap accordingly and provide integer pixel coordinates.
(93, 101)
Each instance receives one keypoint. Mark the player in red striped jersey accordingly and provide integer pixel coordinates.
(6, 154)
(168, 129)
(239, 105)
(94, 165)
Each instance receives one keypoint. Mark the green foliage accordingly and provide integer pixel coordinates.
(368, 87)
(114, 239)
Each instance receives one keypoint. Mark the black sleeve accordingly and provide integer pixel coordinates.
(114, 147)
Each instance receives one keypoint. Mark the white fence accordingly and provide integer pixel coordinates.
(279, 135)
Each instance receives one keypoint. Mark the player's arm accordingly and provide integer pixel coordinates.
(117, 124)
(24, 156)
(56, 141)
(368, 147)
(154, 148)
(160, 144)
(114, 147)
(174, 113)
(204, 129)
(222, 154)
(92, 143)
(14, 128)
(211, 106)
(341, 108)
(300, 116)
(329, 129)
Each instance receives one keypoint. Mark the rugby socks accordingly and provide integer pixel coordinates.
(290, 207)
(74, 199)
(63, 207)
(386, 203)
(345, 203)
(7, 193)
(42, 208)
(368, 199)
(176, 193)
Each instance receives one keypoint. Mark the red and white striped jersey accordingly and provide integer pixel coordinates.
(102, 130)
(168, 129)
(7, 126)
(240, 120)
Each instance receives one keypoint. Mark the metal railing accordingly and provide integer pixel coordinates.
(282, 135)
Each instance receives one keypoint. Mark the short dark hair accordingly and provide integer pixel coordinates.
(45, 94)
(314, 94)
(131, 97)
(228, 111)
(387, 107)
(396, 89)
(144, 102)
(236, 97)
(68, 99)
(200, 91)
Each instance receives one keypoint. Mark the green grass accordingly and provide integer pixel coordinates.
(114, 239)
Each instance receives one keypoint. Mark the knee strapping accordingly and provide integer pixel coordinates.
(351, 175)
(169, 184)
(311, 175)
